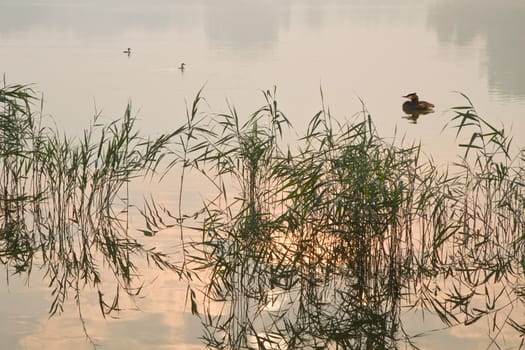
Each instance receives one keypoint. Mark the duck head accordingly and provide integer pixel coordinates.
(412, 97)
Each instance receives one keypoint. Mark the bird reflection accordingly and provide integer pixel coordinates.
(413, 116)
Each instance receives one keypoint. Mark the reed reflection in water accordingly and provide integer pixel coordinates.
(328, 246)
(324, 246)
(64, 204)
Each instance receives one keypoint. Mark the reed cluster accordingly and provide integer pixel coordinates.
(64, 203)
(325, 243)
(322, 243)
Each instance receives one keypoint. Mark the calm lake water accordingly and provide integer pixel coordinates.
(374, 50)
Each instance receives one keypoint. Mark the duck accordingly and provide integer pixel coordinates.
(415, 105)
(182, 66)
(128, 51)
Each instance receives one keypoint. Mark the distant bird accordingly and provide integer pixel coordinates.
(182, 66)
(128, 51)
(414, 105)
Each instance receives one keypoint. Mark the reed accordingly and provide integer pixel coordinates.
(64, 202)
(321, 244)
(325, 245)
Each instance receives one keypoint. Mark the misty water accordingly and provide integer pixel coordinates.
(360, 54)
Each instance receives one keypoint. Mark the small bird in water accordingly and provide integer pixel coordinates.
(415, 105)
(128, 51)
(182, 66)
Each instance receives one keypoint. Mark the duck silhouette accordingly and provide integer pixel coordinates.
(415, 105)
(128, 51)
(415, 108)
(182, 66)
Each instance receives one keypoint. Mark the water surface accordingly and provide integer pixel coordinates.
(370, 50)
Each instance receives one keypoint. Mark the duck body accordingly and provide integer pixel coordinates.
(416, 105)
